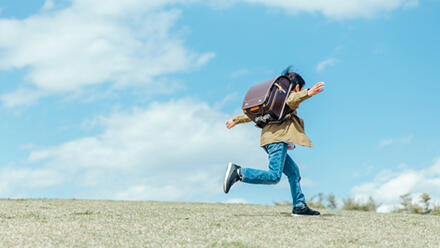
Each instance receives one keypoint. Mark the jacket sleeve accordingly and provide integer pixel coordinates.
(241, 119)
(295, 98)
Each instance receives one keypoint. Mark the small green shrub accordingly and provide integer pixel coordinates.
(331, 199)
(351, 204)
(436, 210)
(425, 201)
(282, 203)
(316, 201)
(407, 205)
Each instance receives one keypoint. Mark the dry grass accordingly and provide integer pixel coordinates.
(82, 223)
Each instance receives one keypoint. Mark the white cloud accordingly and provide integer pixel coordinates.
(119, 43)
(21, 179)
(338, 9)
(145, 192)
(326, 63)
(386, 142)
(21, 97)
(176, 150)
(407, 140)
(404, 141)
(388, 186)
(48, 5)
(228, 98)
(240, 73)
(125, 43)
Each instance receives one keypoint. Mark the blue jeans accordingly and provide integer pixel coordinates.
(279, 162)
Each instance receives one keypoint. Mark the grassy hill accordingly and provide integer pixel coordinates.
(83, 223)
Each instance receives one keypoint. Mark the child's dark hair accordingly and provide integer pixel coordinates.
(294, 77)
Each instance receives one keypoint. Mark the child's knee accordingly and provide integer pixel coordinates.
(275, 178)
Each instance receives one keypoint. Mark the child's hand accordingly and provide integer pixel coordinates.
(230, 124)
(317, 88)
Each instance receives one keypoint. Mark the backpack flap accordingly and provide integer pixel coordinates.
(265, 102)
(257, 95)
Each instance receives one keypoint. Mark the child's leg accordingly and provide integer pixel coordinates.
(277, 156)
(292, 172)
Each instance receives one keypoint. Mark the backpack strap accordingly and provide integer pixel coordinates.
(287, 116)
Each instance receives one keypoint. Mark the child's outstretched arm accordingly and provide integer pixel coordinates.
(237, 120)
(295, 98)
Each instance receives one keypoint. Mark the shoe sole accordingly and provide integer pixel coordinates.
(296, 215)
(228, 172)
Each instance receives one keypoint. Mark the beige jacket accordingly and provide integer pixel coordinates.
(290, 130)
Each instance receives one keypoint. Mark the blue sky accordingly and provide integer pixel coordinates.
(127, 100)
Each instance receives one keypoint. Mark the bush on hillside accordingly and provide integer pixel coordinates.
(316, 201)
(407, 205)
(436, 210)
(426, 204)
(319, 201)
(351, 204)
(331, 199)
(282, 203)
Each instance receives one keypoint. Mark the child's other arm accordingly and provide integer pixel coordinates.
(295, 98)
(237, 120)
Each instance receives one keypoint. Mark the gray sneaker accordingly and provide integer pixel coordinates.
(231, 176)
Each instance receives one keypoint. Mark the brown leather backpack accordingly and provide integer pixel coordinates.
(265, 102)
